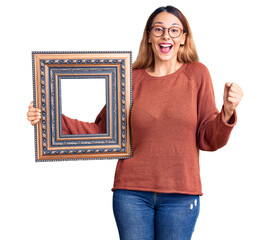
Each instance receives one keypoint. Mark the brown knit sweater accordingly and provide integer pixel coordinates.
(172, 118)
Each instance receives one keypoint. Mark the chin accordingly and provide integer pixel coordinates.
(168, 58)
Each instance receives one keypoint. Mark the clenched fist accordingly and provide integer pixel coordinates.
(232, 97)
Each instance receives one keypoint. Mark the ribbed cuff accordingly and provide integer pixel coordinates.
(232, 120)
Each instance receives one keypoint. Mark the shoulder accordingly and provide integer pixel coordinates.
(137, 75)
(137, 72)
(197, 72)
(196, 69)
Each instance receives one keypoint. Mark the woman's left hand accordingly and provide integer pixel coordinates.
(232, 97)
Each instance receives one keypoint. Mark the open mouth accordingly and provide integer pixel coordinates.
(165, 47)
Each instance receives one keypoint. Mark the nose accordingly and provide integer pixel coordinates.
(166, 34)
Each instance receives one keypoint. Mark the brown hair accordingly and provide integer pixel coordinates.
(187, 52)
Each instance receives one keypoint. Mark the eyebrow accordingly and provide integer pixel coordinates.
(163, 23)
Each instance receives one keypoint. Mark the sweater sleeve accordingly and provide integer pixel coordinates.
(212, 130)
(74, 126)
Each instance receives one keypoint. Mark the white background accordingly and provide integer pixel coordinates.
(83, 98)
(73, 200)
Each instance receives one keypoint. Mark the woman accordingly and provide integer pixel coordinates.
(156, 193)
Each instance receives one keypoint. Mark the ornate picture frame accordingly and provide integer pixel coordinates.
(49, 69)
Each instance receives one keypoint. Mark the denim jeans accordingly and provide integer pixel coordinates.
(147, 215)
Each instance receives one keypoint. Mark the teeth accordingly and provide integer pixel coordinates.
(165, 45)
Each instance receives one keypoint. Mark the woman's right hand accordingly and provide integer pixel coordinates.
(33, 114)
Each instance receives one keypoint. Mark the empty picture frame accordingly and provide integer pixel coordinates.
(60, 137)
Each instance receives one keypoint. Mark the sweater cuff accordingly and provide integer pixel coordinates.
(232, 120)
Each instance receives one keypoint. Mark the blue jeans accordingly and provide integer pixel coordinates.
(147, 215)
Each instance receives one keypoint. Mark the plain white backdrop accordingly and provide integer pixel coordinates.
(83, 98)
(73, 200)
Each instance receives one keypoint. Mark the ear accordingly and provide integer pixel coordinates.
(183, 39)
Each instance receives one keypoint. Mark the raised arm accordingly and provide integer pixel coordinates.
(213, 129)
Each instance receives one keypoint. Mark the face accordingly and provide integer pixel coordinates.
(165, 47)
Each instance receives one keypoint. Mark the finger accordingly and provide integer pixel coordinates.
(34, 122)
(32, 109)
(32, 114)
(31, 104)
(234, 101)
(237, 92)
(230, 99)
(233, 94)
(33, 118)
(240, 94)
(235, 88)
(236, 85)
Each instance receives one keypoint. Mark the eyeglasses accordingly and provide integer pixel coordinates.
(158, 31)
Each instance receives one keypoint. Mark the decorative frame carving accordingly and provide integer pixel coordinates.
(48, 70)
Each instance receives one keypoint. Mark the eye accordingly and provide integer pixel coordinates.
(175, 30)
(158, 29)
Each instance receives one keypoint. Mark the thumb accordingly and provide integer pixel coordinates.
(31, 104)
(226, 88)
(226, 91)
(227, 85)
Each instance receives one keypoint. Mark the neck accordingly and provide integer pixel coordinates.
(163, 68)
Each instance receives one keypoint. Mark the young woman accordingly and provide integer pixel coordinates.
(156, 193)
